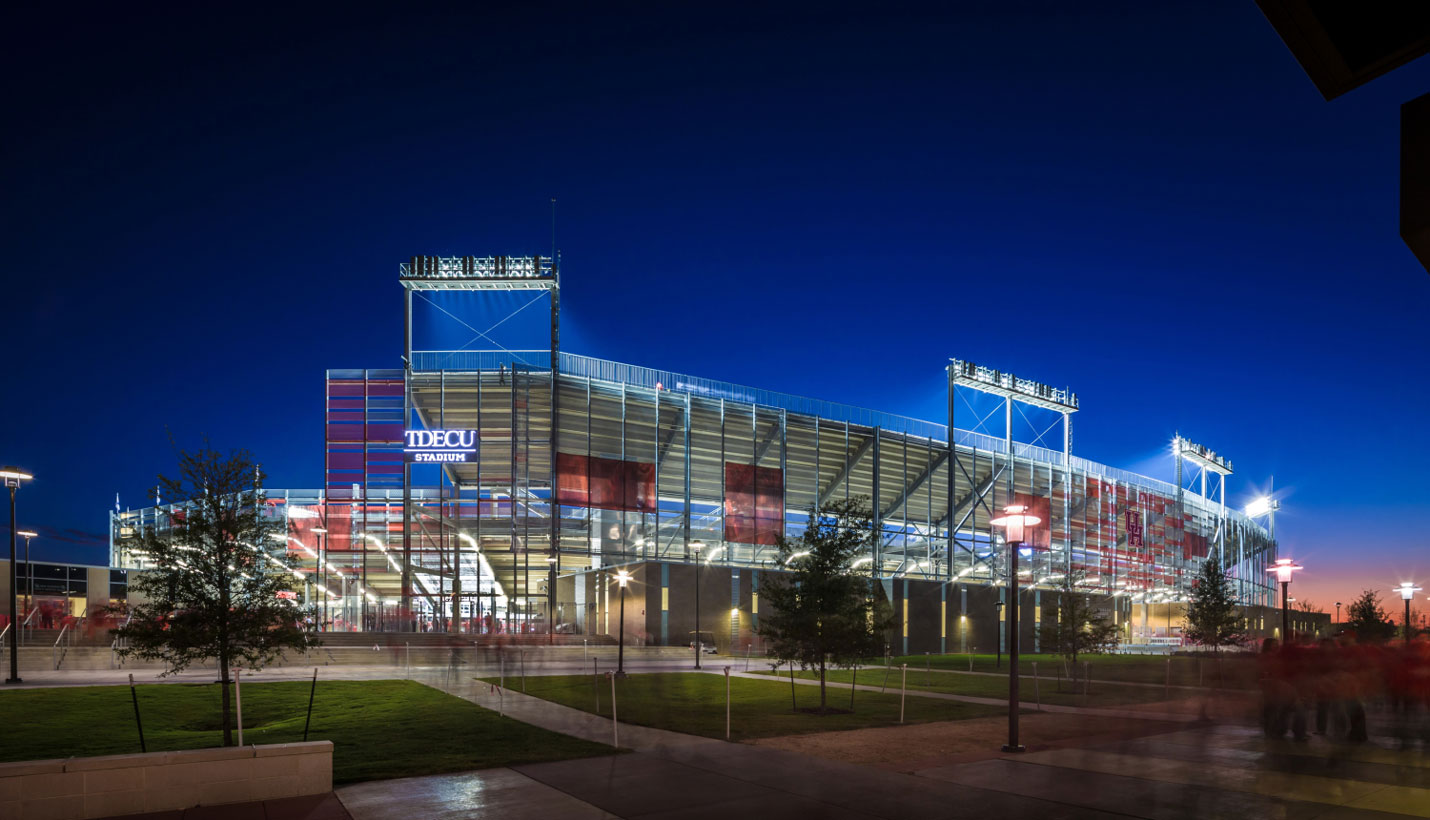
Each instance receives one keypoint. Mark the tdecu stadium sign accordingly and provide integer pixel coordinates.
(440, 446)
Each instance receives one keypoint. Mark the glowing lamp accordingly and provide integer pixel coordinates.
(1015, 522)
(1407, 590)
(623, 577)
(1283, 568)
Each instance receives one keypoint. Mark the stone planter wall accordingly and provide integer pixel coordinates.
(87, 787)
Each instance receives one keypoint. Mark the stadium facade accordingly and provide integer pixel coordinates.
(463, 493)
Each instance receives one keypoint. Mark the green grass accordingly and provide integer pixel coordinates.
(379, 729)
(1100, 693)
(1239, 670)
(694, 703)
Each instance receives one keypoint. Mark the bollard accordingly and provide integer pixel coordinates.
(1037, 689)
(970, 661)
(238, 696)
(615, 727)
(501, 668)
(409, 659)
(313, 690)
(583, 650)
(1167, 687)
(521, 656)
(137, 722)
(903, 688)
(747, 657)
(596, 681)
(727, 703)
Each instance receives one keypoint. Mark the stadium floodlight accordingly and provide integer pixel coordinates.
(1264, 505)
(1202, 456)
(1010, 386)
(1407, 590)
(1283, 569)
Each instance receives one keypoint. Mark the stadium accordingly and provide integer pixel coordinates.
(495, 484)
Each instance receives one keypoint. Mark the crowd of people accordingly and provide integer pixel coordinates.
(1337, 687)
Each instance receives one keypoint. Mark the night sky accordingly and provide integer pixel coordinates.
(1149, 203)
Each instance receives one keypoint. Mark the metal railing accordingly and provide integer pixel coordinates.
(57, 653)
(115, 662)
(25, 625)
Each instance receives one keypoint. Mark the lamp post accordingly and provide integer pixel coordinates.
(697, 546)
(622, 578)
(323, 569)
(1407, 590)
(1338, 612)
(1283, 568)
(13, 476)
(29, 573)
(1014, 521)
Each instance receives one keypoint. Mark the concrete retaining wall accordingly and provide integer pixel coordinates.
(86, 787)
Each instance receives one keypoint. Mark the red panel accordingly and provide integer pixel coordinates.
(607, 483)
(385, 388)
(640, 486)
(384, 432)
(344, 432)
(345, 461)
(572, 484)
(754, 504)
(344, 387)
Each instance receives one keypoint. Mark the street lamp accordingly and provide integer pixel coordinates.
(622, 578)
(1014, 521)
(697, 546)
(1283, 568)
(323, 568)
(13, 476)
(29, 573)
(1407, 591)
(1338, 612)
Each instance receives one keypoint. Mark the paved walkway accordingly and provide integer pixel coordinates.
(1197, 772)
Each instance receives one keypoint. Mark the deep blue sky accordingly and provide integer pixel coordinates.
(1147, 202)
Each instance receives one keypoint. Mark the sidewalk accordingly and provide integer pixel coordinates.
(1204, 771)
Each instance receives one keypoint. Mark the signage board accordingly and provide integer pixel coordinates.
(1134, 528)
(440, 446)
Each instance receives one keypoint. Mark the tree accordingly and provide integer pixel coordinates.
(213, 590)
(823, 613)
(1368, 620)
(1078, 628)
(1308, 607)
(1213, 618)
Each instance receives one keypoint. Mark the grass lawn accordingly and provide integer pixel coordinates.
(694, 703)
(1239, 670)
(379, 729)
(984, 686)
